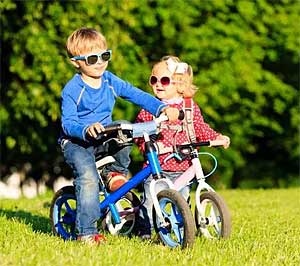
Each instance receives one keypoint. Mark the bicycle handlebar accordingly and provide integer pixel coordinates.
(211, 143)
(138, 129)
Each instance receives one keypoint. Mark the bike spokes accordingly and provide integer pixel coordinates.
(63, 213)
(213, 219)
(177, 227)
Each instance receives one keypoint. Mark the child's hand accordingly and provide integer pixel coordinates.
(225, 139)
(94, 129)
(172, 113)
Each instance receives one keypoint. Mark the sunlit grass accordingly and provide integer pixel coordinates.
(265, 231)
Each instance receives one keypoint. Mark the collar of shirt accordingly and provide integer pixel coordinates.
(173, 101)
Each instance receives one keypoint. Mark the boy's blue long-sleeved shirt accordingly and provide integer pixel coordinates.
(83, 105)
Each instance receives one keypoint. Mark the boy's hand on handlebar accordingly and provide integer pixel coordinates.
(94, 130)
(225, 140)
(172, 113)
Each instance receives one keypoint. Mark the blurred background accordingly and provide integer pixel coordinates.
(245, 57)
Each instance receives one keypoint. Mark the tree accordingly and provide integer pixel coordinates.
(245, 60)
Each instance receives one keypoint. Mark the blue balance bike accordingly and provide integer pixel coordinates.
(172, 217)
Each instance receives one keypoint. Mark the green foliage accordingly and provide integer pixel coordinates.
(245, 56)
(265, 226)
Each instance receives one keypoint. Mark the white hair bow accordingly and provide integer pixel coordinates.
(175, 67)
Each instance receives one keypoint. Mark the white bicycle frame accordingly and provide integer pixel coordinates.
(180, 182)
(195, 170)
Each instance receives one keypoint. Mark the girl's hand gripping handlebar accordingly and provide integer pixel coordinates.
(220, 141)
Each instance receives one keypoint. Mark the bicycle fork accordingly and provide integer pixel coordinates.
(202, 186)
(157, 178)
(162, 184)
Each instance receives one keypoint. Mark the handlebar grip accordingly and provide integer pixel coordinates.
(109, 129)
(216, 143)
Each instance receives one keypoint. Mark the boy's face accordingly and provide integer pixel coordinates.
(161, 74)
(95, 70)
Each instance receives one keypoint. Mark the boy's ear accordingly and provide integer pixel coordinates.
(74, 63)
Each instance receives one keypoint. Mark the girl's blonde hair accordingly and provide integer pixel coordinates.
(182, 72)
(84, 40)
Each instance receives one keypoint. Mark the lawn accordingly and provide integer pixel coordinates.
(265, 231)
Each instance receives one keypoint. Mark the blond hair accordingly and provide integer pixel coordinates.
(84, 40)
(185, 87)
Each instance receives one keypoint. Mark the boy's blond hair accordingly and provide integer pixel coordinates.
(185, 87)
(84, 40)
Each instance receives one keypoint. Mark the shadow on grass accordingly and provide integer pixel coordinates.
(38, 223)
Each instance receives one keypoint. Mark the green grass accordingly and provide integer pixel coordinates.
(265, 231)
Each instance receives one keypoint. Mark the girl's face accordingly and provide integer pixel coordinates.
(163, 92)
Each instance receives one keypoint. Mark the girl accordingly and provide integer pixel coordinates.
(172, 83)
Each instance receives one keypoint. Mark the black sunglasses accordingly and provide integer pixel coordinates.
(92, 59)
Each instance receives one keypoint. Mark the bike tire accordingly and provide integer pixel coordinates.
(180, 229)
(63, 213)
(128, 221)
(217, 221)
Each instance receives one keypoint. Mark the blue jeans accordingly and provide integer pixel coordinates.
(145, 220)
(81, 158)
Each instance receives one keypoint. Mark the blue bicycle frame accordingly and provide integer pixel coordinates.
(111, 199)
(152, 168)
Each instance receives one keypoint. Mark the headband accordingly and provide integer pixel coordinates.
(175, 67)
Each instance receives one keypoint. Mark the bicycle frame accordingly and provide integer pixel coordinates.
(112, 198)
(195, 170)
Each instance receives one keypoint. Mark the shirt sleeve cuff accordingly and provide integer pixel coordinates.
(84, 133)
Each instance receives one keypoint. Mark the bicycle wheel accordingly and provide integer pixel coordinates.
(127, 207)
(63, 213)
(216, 222)
(178, 227)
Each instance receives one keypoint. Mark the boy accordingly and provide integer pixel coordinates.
(87, 103)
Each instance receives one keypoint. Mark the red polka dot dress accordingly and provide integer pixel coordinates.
(172, 133)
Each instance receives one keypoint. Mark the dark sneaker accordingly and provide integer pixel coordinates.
(115, 180)
(92, 239)
(145, 237)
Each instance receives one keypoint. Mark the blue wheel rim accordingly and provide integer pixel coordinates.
(64, 217)
(174, 233)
